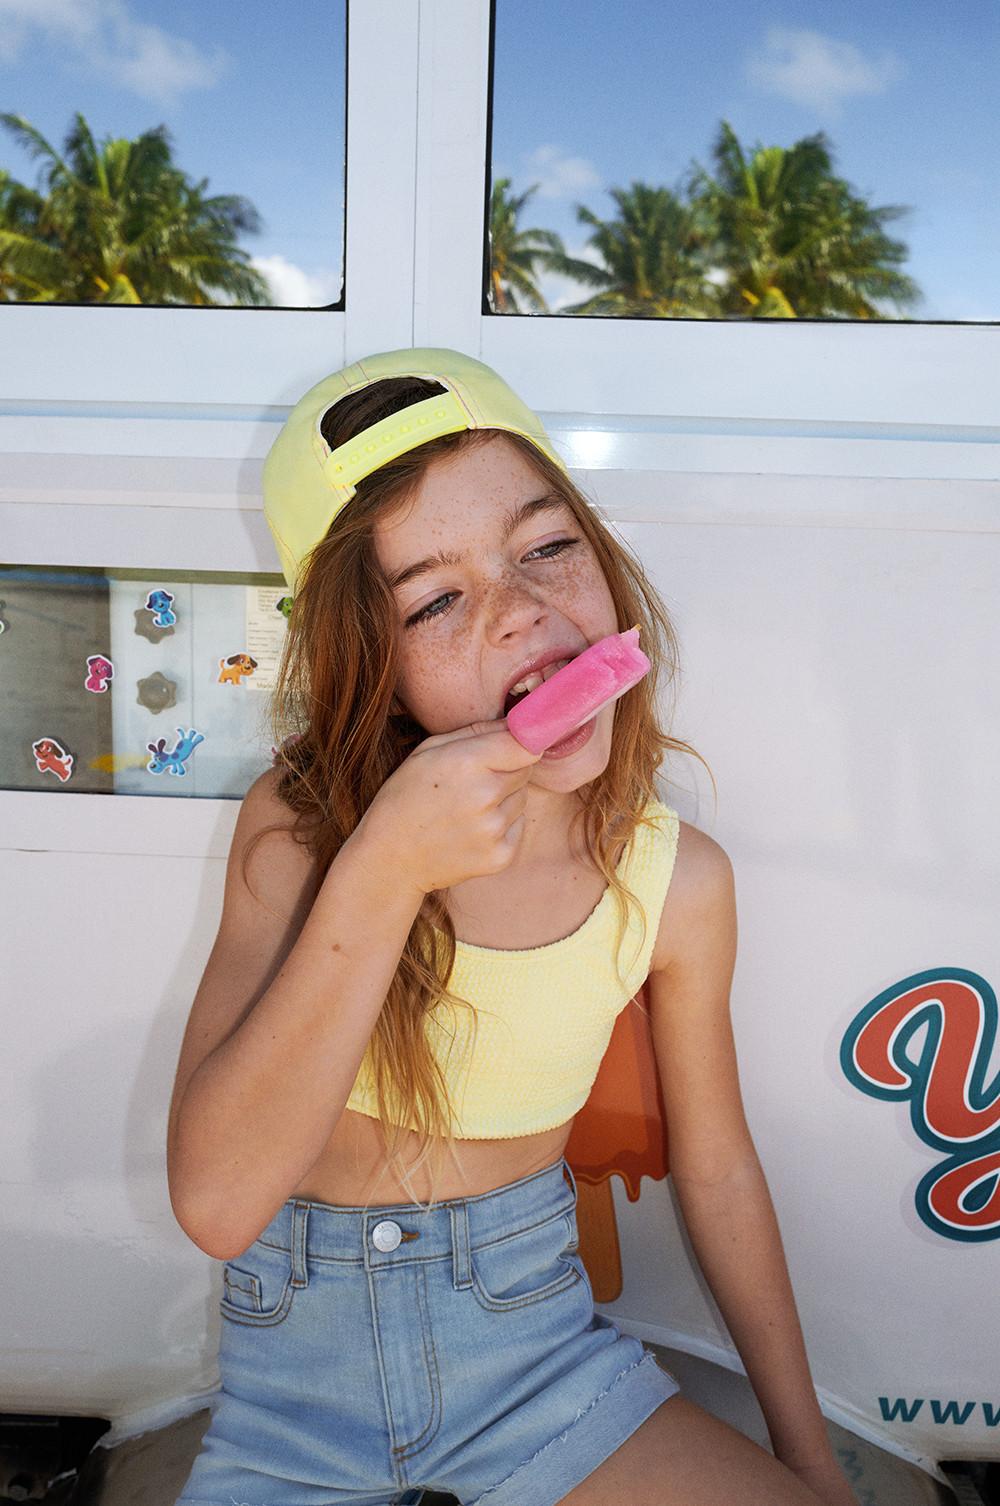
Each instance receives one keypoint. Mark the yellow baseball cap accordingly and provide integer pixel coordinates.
(306, 483)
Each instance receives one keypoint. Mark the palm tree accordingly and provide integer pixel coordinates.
(792, 239)
(120, 223)
(652, 253)
(513, 252)
(18, 216)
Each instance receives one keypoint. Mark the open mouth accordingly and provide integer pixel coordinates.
(532, 683)
(513, 697)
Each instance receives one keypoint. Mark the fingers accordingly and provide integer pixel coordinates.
(501, 751)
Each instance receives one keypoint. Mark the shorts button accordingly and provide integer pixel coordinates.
(386, 1235)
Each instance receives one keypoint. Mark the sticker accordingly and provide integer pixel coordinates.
(159, 603)
(233, 669)
(99, 671)
(163, 762)
(284, 606)
(156, 693)
(264, 632)
(51, 758)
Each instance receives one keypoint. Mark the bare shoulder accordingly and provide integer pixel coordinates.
(701, 893)
(282, 865)
(263, 805)
(264, 798)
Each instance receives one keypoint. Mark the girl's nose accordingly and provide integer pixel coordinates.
(517, 608)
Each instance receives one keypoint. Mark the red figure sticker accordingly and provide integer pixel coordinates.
(51, 758)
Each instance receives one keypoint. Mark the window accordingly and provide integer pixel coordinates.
(131, 683)
(737, 162)
(187, 156)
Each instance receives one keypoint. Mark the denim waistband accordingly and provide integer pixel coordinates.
(323, 1231)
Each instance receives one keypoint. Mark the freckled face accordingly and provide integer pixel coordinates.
(465, 628)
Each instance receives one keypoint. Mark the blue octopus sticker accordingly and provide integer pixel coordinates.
(173, 762)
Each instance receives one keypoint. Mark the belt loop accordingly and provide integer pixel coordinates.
(461, 1256)
(300, 1244)
(568, 1174)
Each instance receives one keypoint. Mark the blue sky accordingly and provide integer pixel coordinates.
(252, 97)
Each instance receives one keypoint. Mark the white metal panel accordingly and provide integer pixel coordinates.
(837, 682)
(197, 504)
(130, 825)
(107, 1307)
(883, 372)
(381, 176)
(451, 174)
(122, 355)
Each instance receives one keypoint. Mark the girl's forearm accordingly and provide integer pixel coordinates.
(734, 1231)
(258, 1111)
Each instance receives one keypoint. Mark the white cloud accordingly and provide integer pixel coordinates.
(294, 288)
(559, 291)
(102, 37)
(558, 175)
(812, 69)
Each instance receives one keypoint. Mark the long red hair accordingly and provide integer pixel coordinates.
(341, 733)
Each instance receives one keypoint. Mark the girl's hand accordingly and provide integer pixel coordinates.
(454, 809)
(826, 1480)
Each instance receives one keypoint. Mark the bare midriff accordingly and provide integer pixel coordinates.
(347, 1173)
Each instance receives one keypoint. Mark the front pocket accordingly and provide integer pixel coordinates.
(525, 1268)
(257, 1289)
(241, 1288)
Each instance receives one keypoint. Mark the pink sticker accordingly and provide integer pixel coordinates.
(99, 671)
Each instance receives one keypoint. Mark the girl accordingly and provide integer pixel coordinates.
(430, 959)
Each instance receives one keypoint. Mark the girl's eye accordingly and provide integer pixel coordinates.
(426, 613)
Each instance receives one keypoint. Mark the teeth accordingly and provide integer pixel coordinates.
(533, 681)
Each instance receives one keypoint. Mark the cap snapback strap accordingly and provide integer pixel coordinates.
(391, 437)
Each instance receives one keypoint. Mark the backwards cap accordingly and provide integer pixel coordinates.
(306, 483)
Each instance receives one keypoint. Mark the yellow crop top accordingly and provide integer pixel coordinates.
(545, 1014)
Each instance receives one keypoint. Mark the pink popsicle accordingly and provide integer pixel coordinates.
(578, 691)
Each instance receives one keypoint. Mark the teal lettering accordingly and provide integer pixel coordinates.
(889, 1411)
(949, 1412)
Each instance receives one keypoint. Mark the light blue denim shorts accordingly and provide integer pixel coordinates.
(369, 1354)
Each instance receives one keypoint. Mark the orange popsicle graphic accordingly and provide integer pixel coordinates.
(621, 1128)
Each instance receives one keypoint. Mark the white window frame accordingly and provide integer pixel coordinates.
(416, 198)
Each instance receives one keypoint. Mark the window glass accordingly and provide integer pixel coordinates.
(186, 154)
(744, 160)
(126, 683)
